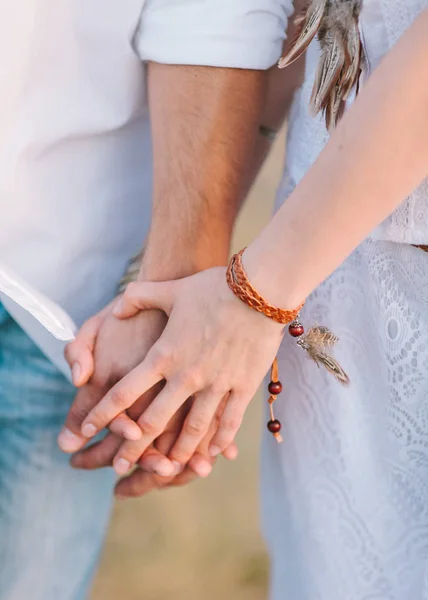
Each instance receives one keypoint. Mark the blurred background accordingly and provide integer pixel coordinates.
(201, 541)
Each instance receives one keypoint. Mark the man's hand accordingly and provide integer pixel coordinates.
(148, 476)
(204, 126)
(104, 351)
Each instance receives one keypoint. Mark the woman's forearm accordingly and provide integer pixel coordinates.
(375, 158)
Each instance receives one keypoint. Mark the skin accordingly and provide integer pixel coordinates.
(377, 155)
(200, 116)
(155, 471)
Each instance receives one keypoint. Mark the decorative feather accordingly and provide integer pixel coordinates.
(327, 76)
(335, 22)
(132, 271)
(307, 25)
(326, 360)
(319, 343)
(321, 337)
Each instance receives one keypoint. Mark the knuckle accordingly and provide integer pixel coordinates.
(191, 379)
(148, 428)
(182, 456)
(220, 388)
(160, 357)
(118, 398)
(130, 454)
(130, 451)
(230, 425)
(195, 427)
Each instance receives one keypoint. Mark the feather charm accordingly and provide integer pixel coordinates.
(319, 343)
(336, 24)
(307, 25)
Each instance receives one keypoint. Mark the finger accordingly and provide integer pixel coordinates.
(70, 438)
(120, 397)
(154, 461)
(80, 352)
(202, 462)
(125, 427)
(184, 478)
(97, 455)
(140, 405)
(154, 457)
(152, 423)
(125, 424)
(231, 452)
(201, 465)
(138, 484)
(229, 424)
(196, 426)
(143, 295)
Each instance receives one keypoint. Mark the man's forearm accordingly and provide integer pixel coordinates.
(280, 88)
(205, 124)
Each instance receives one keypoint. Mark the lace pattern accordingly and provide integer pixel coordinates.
(346, 495)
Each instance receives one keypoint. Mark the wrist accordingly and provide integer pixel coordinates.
(267, 271)
(169, 259)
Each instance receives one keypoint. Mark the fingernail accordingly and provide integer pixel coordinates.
(117, 309)
(203, 469)
(165, 469)
(89, 430)
(134, 434)
(69, 441)
(122, 466)
(75, 373)
(178, 467)
(215, 450)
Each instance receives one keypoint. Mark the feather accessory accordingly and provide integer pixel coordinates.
(132, 271)
(319, 343)
(336, 24)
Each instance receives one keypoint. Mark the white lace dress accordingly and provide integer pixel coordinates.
(345, 497)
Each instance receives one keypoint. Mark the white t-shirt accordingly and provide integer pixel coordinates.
(75, 148)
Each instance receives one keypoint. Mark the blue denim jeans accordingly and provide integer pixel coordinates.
(52, 518)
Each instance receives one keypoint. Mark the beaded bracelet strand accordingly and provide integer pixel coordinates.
(318, 342)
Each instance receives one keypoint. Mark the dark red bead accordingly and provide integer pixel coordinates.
(275, 388)
(274, 426)
(296, 329)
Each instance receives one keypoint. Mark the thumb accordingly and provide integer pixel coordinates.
(144, 295)
(80, 352)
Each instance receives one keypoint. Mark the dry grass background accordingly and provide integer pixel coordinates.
(201, 542)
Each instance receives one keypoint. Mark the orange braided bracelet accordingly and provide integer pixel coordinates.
(238, 282)
(318, 341)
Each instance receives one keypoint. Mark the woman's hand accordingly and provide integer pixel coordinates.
(104, 351)
(213, 346)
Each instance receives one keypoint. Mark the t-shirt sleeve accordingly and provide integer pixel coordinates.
(245, 34)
